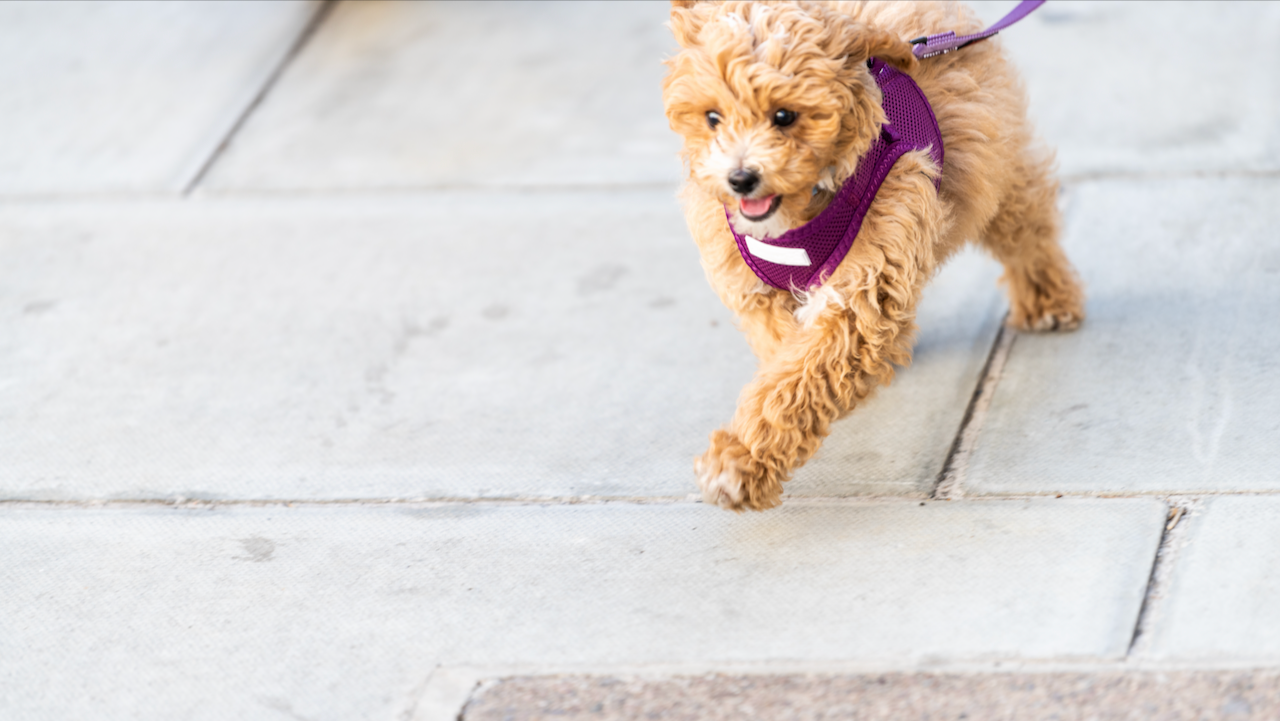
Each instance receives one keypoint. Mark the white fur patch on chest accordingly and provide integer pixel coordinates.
(813, 304)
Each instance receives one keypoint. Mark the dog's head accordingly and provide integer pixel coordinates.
(775, 103)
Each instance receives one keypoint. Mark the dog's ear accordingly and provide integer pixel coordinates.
(863, 41)
(686, 22)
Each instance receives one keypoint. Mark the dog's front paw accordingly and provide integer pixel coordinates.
(720, 486)
(729, 478)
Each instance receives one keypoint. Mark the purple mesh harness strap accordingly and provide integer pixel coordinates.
(930, 45)
(803, 258)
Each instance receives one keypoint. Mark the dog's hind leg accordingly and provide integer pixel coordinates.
(1044, 291)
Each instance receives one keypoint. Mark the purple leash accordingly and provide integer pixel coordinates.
(930, 45)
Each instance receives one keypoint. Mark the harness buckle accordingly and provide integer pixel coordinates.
(937, 44)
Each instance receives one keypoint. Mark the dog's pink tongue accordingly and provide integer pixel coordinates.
(757, 206)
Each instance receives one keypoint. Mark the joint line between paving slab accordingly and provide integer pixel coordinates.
(1227, 173)
(302, 502)
(303, 38)
(418, 189)
(1144, 611)
(1185, 500)
(949, 483)
(1172, 538)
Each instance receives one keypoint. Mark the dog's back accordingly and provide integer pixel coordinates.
(981, 107)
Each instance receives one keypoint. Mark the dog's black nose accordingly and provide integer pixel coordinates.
(743, 181)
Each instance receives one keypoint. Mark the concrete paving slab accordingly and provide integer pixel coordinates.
(1149, 696)
(1169, 386)
(440, 94)
(414, 347)
(110, 97)
(1130, 87)
(1223, 600)
(405, 94)
(341, 612)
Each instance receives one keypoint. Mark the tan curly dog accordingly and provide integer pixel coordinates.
(782, 91)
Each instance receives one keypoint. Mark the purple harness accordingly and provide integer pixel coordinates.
(803, 258)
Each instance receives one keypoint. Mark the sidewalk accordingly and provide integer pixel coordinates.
(354, 357)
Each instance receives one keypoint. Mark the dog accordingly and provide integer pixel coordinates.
(776, 105)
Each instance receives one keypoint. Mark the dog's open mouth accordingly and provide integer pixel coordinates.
(759, 208)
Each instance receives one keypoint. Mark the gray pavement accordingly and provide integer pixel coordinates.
(353, 359)
(414, 95)
(339, 612)
(101, 98)
(1182, 276)
(346, 355)
(1122, 87)
(1221, 603)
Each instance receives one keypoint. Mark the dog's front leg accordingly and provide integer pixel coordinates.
(829, 364)
(839, 346)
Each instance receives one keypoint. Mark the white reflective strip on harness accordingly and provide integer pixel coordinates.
(774, 254)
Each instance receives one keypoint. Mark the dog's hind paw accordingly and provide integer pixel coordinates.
(1040, 311)
(725, 475)
(1063, 321)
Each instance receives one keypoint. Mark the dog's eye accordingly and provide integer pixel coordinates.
(783, 118)
(713, 119)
